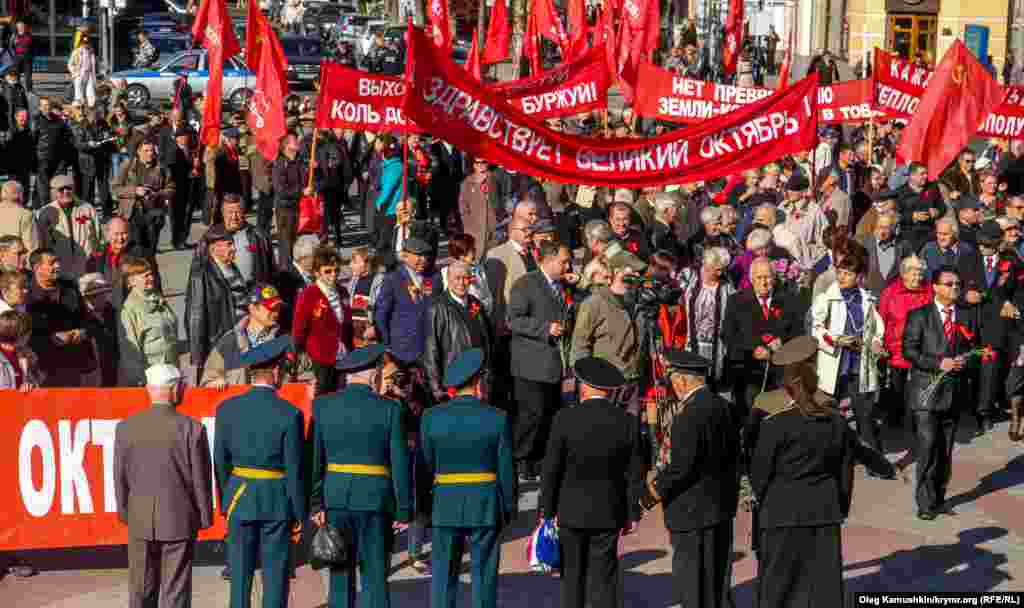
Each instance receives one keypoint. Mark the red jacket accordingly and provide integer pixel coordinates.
(316, 329)
(895, 304)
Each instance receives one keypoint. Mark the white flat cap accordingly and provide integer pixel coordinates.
(162, 375)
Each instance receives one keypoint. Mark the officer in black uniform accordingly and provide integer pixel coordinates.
(258, 443)
(699, 484)
(594, 450)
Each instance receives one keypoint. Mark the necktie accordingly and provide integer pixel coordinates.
(764, 307)
(947, 325)
(989, 263)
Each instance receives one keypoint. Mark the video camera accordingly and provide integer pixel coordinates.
(650, 293)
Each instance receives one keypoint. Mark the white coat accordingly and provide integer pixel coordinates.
(828, 317)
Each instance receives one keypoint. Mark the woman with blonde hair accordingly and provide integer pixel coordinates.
(82, 66)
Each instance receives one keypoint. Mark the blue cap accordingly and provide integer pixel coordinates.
(362, 358)
(464, 368)
(267, 352)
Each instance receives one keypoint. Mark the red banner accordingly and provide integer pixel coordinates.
(482, 123)
(667, 96)
(899, 86)
(58, 466)
(354, 99)
(571, 88)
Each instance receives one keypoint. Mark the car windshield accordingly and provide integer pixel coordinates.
(182, 63)
(304, 47)
(355, 20)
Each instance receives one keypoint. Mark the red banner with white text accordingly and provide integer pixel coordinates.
(481, 122)
(570, 88)
(354, 99)
(58, 463)
(899, 85)
(666, 96)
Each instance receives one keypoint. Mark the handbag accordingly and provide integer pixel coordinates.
(311, 215)
(329, 548)
(543, 551)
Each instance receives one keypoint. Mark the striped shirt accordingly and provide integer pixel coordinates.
(334, 300)
(237, 285)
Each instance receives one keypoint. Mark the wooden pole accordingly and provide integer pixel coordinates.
(312, 158)
(871, 139)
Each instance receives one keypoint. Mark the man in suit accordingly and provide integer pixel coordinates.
(537, 320)
(948, 250)
(594, 450)
(699, 484)
(181, 159)
(446, 175)
(163, 482)
(260, 483)
(885, 251)
(757, 322)
(467, 449)
(394, 235)
(457, 323)
(405, 298)
(935, 339)
(361, 473)
(662, 232)
(920, 205)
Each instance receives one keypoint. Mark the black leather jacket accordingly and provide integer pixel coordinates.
(209, 310)
(91, 158)
(449, 336)
(52, 140)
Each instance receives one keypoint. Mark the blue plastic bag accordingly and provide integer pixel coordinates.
(544, 551)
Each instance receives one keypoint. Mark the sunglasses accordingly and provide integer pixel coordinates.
(65, 189)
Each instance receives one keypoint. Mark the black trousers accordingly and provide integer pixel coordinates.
(328, 378)
(181, 221)
(287, 227)
(264, 202)
(934, 452)
(702, 566)
(801, 566)
(161, 570)
(894, 396)
(536, 404)
(863, 405)
(590, 567)
(991, 380)
(333, 212)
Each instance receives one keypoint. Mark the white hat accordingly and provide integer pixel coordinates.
(982, 163)
(162, 375)
(623, 195)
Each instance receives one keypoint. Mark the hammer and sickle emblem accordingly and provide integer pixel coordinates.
(959, 75)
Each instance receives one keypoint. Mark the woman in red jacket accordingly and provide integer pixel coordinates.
(897, 300)
(322, 326)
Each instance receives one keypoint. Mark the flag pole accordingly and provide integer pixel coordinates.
(871, 138)
(312, 156)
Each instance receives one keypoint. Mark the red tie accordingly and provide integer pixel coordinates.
(989, 262)
(947, 325)
(764, 307)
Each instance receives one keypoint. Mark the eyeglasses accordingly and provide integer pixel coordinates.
(953, 284)
(65, 189)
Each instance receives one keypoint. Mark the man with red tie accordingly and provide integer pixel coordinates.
(937, 337)
(757, 321)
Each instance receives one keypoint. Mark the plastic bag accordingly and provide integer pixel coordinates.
(543, 551)
(311, 215)
(329, 548)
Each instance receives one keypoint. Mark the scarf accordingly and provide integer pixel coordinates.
(849, 363)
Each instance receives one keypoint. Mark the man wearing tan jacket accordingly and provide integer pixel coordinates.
(16, 220)
(71, 227)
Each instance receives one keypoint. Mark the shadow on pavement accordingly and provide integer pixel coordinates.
(1011, 475)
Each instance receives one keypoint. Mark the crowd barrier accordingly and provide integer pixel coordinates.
(57, 461)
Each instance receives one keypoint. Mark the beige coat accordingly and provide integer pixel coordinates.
(503, 267)
(148, 336)
(74, 241)
(605, 329)
(21, 222)
(476, 208)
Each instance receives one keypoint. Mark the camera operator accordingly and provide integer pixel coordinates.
(143, 188)
(607, 327)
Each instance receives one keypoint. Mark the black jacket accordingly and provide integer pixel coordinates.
(593, 467)
(288, 283)
(663, 238)
(100, 263)
(532, 308)
(91, 155)
(289, 179)
(700, 486)
(925, 345)
(451, 330)
(209, 309)
(20, 153)
(388, 233)
(53, 140)
(14, 97)
(229, 174)
(745, 327)
(447, 173)
(802, 470)
(334, 167)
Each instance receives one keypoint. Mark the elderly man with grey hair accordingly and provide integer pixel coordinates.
(662, 232)
(290, 281)
(597, 235)
(706, 292)
(710, 235)
(16, 220)
(948, 250)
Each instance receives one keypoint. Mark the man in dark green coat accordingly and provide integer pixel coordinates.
(467, 447)
(257, 457)
(361, 473)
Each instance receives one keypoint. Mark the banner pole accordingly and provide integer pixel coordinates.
(312, 157)
(871, 138)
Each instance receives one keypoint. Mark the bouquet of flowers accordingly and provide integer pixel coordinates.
(788, 273)
(984, 353)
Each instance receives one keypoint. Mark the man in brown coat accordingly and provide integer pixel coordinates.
(162, 475)
(476, 206)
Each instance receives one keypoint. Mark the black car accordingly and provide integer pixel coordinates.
(304, 54)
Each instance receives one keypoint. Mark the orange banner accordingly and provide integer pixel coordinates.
(58, 465)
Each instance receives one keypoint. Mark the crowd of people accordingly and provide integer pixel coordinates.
(705, 323)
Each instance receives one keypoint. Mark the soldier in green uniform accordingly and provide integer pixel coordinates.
(361, 473)
(467, 447)
(257, 455)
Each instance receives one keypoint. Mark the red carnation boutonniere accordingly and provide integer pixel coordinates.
(965, 331)
(988, 355)
(828, 340)
(767, 338)
(252, 247)
(318, 312)
(485, 188)
(474, 310)
(81, 220)
(776, 311)
(568, 297)
(452, 392)
(632, 246)
(428, 286)
(1004, 266)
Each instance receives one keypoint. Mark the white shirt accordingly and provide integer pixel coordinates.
(942, 312)
(461, 301)
(400, 235)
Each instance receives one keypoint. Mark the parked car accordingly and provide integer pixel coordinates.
(304, 55)
(372, 27)
(323, 18)
(146, 85)
(167, 45)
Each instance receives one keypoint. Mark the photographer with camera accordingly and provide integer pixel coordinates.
(144, 189)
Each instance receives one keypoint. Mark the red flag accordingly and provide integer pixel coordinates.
(266, 107)
(638, 41)
(733, 37)
(960, 94)
(499, 34)
(439, 28)
(549, 25)
(577, 16)
(531, 44)
(606, 34)
(786, 61)
(212, 30)
(473, 62)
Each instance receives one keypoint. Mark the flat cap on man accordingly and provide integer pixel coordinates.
(989, 233)
(464, 368)
(62, 180)
(267, 353)
(622, 260)
(362, 358)
(966, 201)
(598, 373)
(686, 362)
(796, 350)
(416, 246)
(162, 375)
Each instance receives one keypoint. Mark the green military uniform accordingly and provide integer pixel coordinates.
(361, 479)
(467, 446)
(258, 445)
